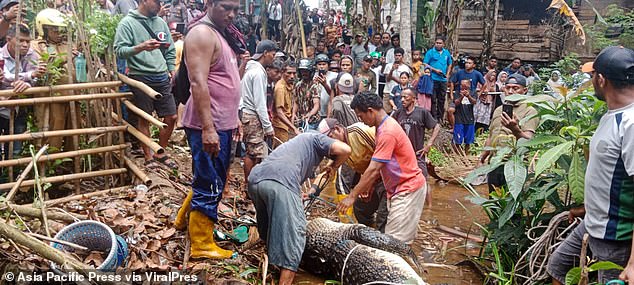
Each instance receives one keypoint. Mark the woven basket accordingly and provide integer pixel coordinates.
(95, 236)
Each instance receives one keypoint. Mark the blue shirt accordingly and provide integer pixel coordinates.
(438, 60)
(474, 76)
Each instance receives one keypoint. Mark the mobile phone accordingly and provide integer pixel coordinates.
(508, 109)
(322, 72)
(180, 28)
(165, 45)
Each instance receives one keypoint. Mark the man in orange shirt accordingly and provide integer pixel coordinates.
(395, 161)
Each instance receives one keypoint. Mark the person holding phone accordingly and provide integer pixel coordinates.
(506, 121)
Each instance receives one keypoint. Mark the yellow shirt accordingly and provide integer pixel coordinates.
(283, 97)
(521, 111)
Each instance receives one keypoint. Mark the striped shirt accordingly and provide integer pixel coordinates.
(609, 181)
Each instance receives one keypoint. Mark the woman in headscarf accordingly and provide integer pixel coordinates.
(500, 84)
(554, 82)
(486, 102)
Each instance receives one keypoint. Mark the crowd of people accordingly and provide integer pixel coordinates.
(352, 99)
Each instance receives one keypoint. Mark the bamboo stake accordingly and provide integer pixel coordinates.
(301, 27)
(40, 195)
(143, 114)
(137, 171)
(60, 155)
(141, 137)
(66, 243)
(62, 133)
(108, 155)
(68, 177)
(36, 213)
(11, 130)
(121, 138)
(140, 85)
(75, 125)
(24, 173)
(42, 248)
(86, 196)
(59, 88)
(61, 99)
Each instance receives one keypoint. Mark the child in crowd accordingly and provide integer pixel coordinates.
(464, 128)
(417, 63)
(395, 96)
(425, 88)
(482, 112)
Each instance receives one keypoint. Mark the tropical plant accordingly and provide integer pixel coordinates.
(616, 27)
(574, 274)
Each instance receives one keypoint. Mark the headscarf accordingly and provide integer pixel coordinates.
(499, 82)
(553, 85)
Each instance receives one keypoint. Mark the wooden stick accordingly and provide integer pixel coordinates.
(29, 211)
(42, 248)
(583, 279)
(62, 133)
(75, 125)
(140, 85)
(24, 173)
(121, 137)
(475, 238)
(66, 178)
(60, 155)
(66, 243)
(64, 87)
(86, 195)
(61, 99)
(143, 114)
(137, 171)
(301, 27)
(141, 137)
(11, 132)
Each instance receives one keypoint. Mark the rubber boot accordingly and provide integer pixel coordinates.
(201, 234)
(180, 223)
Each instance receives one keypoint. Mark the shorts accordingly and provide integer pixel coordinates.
(566, 256)
(254, 136)
(404, 211)
(164, 106)
(281, 222)
(463, 134)
(422, 164)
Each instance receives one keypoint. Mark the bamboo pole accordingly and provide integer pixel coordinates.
(86, 196)
(68, 177)
(61, 99)
(143, 114)
(121, 137)
(137, 171)
(140, 85)
(141, 137)
(75, 125)
(60, 155)
(24, 173)
(29, 211)
(59, 88)
(301, 27)
(62, 133)
(11, 133)
(42, 248)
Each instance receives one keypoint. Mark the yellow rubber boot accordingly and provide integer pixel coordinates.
(180, 223)
(201, 234)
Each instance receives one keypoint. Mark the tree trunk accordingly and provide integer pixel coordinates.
(455, 14)
(490, 23)
(415, 19)
(406, 30)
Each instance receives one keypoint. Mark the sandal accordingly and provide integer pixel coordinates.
(151, 164)
(167, 161)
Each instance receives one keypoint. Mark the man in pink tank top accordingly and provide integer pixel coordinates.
(210, 121)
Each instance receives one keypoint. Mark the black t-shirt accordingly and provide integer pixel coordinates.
(464, 111)
(414, 125)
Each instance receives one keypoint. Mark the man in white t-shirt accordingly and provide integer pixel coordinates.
(609, 181)
(392, 73)
(275, 16)
(324, 76)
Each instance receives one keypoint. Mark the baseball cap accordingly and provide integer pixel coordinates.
(264, 46)
(367, 58)
(8, 3)
(340, 44)
(334, 64)
(516, 78)
(346, 83)
(326, 125)
(615, 63)
(359, 35)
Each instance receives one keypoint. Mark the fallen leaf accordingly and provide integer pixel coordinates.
(168, 233)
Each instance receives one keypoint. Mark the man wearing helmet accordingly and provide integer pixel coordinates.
(145, 41)
(323, 76)
(365, 76)
(308, 97)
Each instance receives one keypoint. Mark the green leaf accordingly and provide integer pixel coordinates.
(573, 276)
(508, 212)
(515, 173)
(246, 273)
(550, 156)
(576, 177)
(604, 265)
(483, 170)
(516, 97)
(539, 140)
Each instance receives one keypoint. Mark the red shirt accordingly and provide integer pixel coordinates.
(400, 171)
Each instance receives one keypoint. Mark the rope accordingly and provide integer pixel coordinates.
(346, 261)
(536, 257)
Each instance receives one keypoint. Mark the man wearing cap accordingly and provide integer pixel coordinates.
(275, 189)
(339, 107)
(359, 50)
(255, 119)
(361, 139)
(323, 77)
(9, 13)
(609, 182)
(365, 76)
(395, 162)
(522, 125)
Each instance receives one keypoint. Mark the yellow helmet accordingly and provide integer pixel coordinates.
(49, 17)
